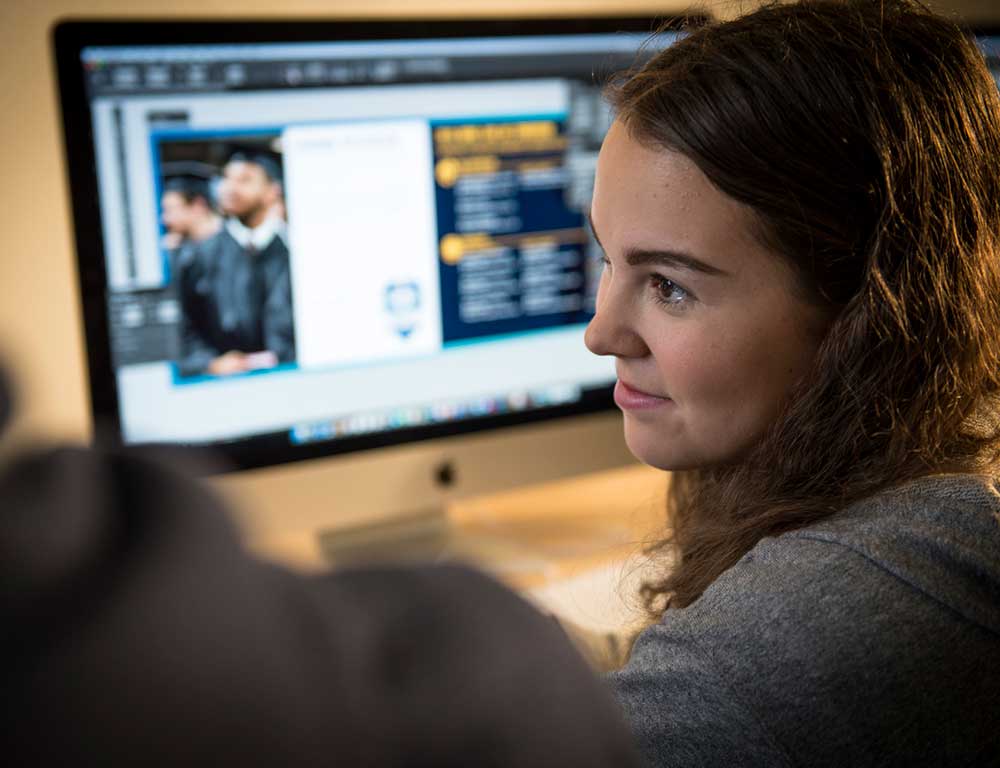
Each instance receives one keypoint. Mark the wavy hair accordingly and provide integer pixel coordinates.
(865, 137)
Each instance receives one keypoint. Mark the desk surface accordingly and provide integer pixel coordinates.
(574, 546)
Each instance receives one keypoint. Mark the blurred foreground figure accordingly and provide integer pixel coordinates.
(135, 631)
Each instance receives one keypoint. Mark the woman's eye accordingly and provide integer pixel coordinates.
(668, 292)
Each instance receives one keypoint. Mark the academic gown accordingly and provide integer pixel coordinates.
(233, 298)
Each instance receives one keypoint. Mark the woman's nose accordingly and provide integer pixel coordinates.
(610, 331)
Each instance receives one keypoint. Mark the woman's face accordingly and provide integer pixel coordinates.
(706, 326)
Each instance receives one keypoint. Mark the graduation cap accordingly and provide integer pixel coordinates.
(191, 179)
(267, 161)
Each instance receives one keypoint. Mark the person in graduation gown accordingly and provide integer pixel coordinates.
(235, 290)
(188, 215)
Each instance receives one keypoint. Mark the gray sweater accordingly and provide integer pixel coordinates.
(872, 638)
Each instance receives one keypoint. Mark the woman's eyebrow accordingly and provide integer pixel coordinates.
(669, 258)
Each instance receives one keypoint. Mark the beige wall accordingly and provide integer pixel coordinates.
(40, 330)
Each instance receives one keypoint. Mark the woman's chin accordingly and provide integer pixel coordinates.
(652, 454)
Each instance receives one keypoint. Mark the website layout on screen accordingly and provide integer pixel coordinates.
(336, 239)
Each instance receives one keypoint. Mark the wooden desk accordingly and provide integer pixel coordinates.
(572, 546)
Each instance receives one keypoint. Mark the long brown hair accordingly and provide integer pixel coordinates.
(865, 136)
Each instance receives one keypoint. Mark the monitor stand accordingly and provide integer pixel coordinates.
(427, 536)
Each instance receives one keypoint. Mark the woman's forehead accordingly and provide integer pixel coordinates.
(651, 198)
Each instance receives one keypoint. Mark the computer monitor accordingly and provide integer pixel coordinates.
(356, 246)
(989, 43)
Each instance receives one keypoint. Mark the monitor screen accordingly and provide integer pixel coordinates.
(990, 46)
(296, 247)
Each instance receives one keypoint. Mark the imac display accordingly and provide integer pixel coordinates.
(305, 240)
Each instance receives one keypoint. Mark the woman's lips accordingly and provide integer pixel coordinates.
(630, 399)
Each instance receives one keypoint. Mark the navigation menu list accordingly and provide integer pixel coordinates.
(511, 244)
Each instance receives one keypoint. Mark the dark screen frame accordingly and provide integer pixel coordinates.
(71, 36)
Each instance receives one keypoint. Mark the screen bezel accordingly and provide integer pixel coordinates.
(70, 37)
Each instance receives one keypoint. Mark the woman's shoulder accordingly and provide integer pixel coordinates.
(827, 637)
(911, 565)
(934, 539)
(939, 512)
(957, 500)
(937, 537)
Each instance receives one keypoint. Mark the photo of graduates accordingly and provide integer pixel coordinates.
(222, 211)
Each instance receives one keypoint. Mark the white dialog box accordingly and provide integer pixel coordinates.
(363, 240)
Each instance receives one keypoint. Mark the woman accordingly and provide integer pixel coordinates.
(800, 213)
